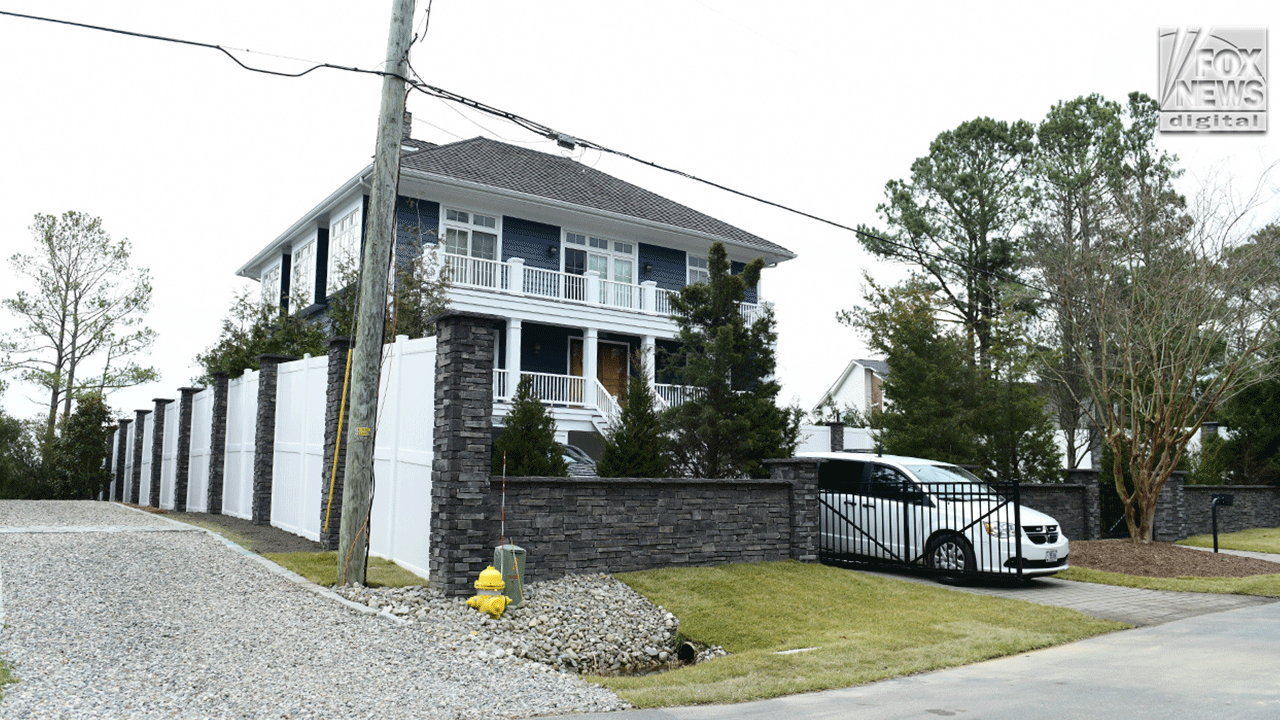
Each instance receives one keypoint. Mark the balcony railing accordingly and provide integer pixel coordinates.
(569, 391)
(514, 278)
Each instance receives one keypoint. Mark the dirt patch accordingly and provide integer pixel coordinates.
(262, 538)
(1163, 560)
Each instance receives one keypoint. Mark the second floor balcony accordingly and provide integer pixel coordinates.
(513, 277)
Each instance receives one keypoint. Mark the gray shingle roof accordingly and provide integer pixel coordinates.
(499, 165)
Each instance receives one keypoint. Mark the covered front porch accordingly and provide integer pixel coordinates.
(581, 373)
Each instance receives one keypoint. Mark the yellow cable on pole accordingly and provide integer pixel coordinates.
(337, 443)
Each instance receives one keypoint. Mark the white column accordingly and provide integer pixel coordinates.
(513, 355)
(590, 342)
(593, 287)
(650, 359)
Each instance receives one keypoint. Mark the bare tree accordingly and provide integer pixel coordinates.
(87, 301)
(1174, 313)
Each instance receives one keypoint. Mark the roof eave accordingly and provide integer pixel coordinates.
(272, 249)
(771, 257)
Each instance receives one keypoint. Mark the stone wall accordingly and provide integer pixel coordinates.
(1074, 506)
(612, 525)
(1254, 507)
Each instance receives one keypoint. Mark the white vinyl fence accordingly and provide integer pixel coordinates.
(400, 521)
(201, 442)
(144, 482)
(299, 446)
(242, 423)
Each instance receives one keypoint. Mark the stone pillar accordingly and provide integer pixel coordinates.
(803, 474)
(122, 443)
(335, 442)
(1091, 498)
(157, 450)
(139, 430)
(264, 442)
(1171, 510)
(183, 473)
(462, 519)
(217, 444)
(837, 436)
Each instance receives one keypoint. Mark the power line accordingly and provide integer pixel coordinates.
(562, 139)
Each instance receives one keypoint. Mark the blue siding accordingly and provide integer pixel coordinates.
(416, 223)
(545, 348)
(668, 266)
(529, 241)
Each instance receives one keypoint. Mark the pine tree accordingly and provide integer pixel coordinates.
(529, 440)
(636, 447)
(735, 423)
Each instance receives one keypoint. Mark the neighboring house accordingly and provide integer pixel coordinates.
(579, 264)
(857, 387)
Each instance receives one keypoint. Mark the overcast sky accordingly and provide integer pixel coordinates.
(810, 104)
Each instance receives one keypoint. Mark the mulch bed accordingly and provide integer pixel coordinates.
(1163, 560)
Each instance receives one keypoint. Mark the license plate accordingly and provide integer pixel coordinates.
(1051, 556)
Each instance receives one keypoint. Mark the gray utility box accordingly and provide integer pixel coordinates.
(509, 560)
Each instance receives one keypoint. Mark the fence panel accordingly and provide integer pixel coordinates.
(169, 456)
(148, 436)
(242, 424)
(299, 446)
(201, 440)
(128, 463)
(400, 524)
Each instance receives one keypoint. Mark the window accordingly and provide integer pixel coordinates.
(470, 234)
(344, 248)
(611, 259)
(303, 284)
(271, 287)
(697, 270)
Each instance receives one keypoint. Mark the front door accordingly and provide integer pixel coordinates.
(612, 367)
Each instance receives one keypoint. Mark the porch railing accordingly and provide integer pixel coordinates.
(515, 278)
(550, 389)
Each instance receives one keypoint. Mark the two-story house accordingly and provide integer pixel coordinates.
(578, 263)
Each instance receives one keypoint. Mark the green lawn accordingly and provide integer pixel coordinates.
(1265, 540)
(862, 628)
(321, 568)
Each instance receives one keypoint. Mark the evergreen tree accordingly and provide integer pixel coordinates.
(251, 329)
(529, 440)
(77, 463)
(636, 447)
(735, 422)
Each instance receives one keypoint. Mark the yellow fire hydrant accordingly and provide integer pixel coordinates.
(489, 598)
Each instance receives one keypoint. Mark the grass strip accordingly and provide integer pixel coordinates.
(1263, 585)
(321, 568)
(1266, 540)
(6, 675)
(864, 628)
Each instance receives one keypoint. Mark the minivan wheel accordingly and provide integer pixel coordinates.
(952, 555)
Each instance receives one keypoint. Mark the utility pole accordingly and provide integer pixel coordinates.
(357, 495)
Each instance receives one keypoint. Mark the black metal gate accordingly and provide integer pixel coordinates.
(952, 529)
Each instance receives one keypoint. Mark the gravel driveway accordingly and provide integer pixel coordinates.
(110, 613)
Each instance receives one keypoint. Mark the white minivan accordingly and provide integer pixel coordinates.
(925, 513)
